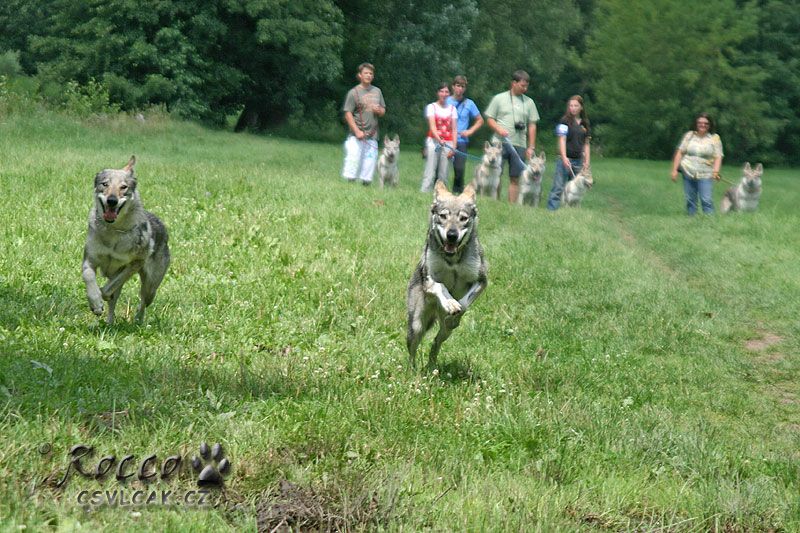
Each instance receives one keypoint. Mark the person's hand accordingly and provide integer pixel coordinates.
(466, 134)
(450, 153)
(716, 176)
(529, 152)
(501, 131)
(674, 175)
(360, 135)
(567, 163)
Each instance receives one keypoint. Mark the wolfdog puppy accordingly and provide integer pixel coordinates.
(451, 273)
(388, 171)
(123, 240)
(576, 188)
(530, 183)
(487, 174)
(745, 196)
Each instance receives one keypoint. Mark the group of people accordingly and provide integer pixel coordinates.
(512, 116)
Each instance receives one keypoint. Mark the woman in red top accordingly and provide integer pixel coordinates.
(442, 135)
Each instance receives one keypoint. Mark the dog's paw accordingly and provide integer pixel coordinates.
(452, 306)
(96, 305)
(212, 465)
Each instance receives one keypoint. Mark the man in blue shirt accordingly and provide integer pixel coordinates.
(467, 112)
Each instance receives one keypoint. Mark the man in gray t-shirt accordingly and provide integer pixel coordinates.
(362, 107)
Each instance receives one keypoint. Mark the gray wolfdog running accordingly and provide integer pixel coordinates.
(451, 273)
(745, 196)
(487, 174)
(530, 183)
(388, 171)
(123, 240)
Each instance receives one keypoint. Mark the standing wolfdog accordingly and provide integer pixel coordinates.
(123, 240)
(487, 174)
(388, 172)
(451, 273)
(745, 196)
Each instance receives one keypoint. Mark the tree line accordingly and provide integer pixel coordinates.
(644, 68)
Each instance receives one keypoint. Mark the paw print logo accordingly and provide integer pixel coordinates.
(212, 465)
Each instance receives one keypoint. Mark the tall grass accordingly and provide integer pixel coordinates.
(603, 381)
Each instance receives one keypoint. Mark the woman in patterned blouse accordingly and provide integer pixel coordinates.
(698, 158)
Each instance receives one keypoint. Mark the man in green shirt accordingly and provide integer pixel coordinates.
(513, 117)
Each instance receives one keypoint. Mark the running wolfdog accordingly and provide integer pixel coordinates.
(123, 240)
(451, 273)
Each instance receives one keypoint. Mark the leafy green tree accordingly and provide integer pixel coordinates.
(528, 35)
(654, 65)
(775, 49)
(412, 45)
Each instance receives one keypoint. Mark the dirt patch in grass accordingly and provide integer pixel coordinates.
(763, 343)
(291, 507)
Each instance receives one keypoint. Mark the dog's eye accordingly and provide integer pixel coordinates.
(104, 184)
(442, 216)
(463, 218)
(124, 187)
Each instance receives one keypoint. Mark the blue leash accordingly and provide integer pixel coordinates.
(459, 152)
(476, 158)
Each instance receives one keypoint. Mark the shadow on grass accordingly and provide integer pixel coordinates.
(52, 363)
(20, 305)
(457, 371)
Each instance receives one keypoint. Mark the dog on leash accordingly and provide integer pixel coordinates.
(487, 174)
(745, 196)
(451, 273)
(388, 172)
(123, 240)
(530, 182)
(576, 188)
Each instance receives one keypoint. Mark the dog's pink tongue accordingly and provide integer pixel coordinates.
(109, 216)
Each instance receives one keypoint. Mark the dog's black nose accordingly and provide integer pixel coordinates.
(452, 235)
(112, 201)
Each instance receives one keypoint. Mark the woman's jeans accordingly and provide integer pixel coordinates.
(692, 188)
(437, 165)
(560, 178)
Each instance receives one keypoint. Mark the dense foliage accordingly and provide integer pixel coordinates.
(646, 68)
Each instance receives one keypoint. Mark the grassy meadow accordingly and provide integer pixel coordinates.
(628, 367)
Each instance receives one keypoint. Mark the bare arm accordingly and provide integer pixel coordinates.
(531, 139)
(562, 150)
(586, 154)
(351, 123)
(676, 162)
(717, 166)
(497, 128)
(475, 127)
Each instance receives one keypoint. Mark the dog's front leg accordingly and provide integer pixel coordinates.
(472, 295)
(115, 283)
(92, 289)
(446, 300)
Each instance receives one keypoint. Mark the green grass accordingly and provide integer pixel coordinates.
(602, 382)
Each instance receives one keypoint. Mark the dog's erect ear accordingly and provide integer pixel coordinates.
(131, 163)
(440, 190)
(543, 156)
(759, 168)
(486, 145)
(469, 192)
(747, 168)
(396, 138)
(385, 139)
